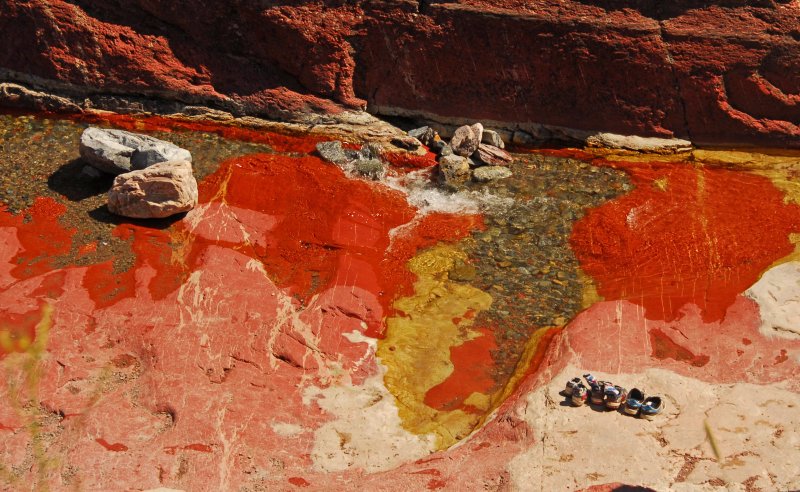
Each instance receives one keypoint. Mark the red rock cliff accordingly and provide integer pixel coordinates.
(725, 72)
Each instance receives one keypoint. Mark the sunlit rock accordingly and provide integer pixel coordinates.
(118, 151)
(466, 139)
(161, 190)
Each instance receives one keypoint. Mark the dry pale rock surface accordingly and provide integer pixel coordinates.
(118, 151)
(778, 296)
(640, 144)
(754, 427)
(161, 190)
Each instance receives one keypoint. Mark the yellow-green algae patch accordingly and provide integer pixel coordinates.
(416, 350)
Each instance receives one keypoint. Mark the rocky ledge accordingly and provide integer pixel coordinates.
(713, 73)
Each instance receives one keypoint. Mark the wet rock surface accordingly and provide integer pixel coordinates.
(40, 158)
(474, 304)
(490, 173)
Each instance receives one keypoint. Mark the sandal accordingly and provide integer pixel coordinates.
(634, 401)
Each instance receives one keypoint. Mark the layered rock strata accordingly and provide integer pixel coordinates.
(725, 73)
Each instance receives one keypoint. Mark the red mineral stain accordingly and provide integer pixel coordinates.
(746, 341)
(116, 447)
(428, 471)
(299, 482)
(472, 363)
(665, 348)
(5, 427)
(685, 236)
(123, 361)
(52, 285)
(203, 448)
(783, 357)
(107, 287)
(436, 484)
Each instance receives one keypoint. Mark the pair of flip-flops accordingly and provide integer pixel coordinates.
(613, 397)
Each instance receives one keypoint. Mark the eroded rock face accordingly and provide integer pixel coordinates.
(161, 190)
(724, 73)
(118, 151)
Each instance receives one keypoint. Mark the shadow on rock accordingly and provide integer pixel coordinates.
(102, 214)
(77, 181)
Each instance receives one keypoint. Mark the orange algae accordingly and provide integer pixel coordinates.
(40, 235)
(408, 161)
(685, 236)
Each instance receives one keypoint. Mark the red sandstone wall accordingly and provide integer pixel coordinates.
(724, 72)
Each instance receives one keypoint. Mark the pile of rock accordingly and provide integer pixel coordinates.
(154, 177)
(365, 161)
(473, 153)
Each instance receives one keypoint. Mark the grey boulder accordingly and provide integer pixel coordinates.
(118, 151)
(161, 190)
(466, 139)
